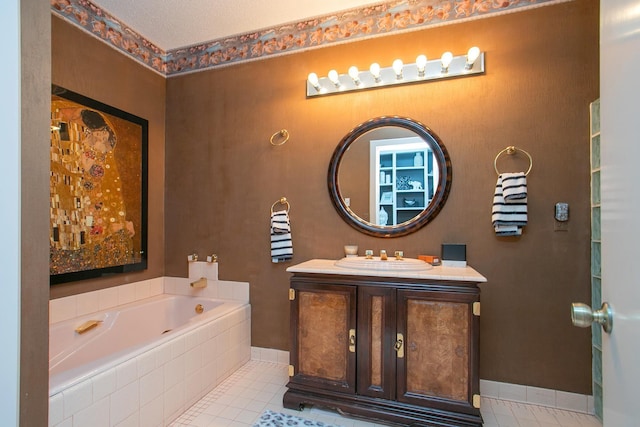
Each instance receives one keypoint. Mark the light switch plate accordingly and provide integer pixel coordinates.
(562, 211)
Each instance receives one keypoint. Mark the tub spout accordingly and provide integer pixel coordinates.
(87, 326)
(200, 283)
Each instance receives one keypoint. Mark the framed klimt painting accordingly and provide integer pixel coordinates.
(98, 203)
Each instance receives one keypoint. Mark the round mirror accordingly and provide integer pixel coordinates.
(389, 176)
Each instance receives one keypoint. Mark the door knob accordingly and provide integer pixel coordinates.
(582, 316)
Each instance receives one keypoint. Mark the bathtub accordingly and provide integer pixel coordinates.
(147, 361)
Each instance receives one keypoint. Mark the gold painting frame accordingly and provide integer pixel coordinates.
(98, 189)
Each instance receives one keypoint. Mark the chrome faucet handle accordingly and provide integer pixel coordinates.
(399, 255)
(368, 254)
(192, 257)
(212, 258)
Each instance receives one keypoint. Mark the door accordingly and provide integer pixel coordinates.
(437, 350)
(620, 184)
(323, 322)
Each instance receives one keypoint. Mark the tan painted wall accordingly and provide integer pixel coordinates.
(542, 72)
(90, 67)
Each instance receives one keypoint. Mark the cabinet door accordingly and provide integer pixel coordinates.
(323, 322)
(376, 336)
(438, 366)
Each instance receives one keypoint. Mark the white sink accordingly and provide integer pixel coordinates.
(390, 264)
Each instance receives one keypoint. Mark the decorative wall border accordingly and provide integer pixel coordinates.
(383, 19)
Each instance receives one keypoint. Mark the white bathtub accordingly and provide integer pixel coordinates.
(147, 361)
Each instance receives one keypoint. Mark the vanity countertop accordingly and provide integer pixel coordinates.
(327, 266)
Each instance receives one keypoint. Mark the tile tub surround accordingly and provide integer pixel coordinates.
(155, 387)
(198, 269)
(78, 305)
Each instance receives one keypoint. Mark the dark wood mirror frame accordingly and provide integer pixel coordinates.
(440, 195)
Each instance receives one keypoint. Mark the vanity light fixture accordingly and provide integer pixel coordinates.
(472, 56)
(374, 69)
(315, 82)
(421, 63)
(423, 70)
(354, 74)
(397, 68)
(446, 59)
(334, 78)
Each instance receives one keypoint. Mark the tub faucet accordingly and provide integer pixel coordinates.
(200, 283)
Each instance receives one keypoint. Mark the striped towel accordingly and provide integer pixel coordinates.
(514, 186)
(281, 245)
(509, 213)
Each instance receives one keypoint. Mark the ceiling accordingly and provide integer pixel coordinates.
(171, 24)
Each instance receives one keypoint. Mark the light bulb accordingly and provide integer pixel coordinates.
(446, 59)
(472, 55)
(333, 76)
(314, 81)
(421, 63)
(397, 68)
(354, 74)
(375, 71)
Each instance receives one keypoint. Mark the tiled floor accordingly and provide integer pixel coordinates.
(257, 386)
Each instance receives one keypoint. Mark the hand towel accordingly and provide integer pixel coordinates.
(510, 215)
(514, 186)
(281, 244)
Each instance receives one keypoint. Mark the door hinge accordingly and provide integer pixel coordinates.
(292, 294)
(291, 370)
(476, 401)
(476, 308)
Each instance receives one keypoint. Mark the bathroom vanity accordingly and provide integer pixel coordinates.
(383, 343)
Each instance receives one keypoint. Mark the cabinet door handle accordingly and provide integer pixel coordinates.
(399, 346)
(352, 340)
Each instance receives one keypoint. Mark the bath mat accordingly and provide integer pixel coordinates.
(277, 419)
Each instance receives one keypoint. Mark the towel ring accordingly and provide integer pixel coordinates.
(282, 201)
(512, 150)
(282, 134)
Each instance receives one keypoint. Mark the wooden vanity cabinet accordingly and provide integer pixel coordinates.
(401, 351)
(325, 324)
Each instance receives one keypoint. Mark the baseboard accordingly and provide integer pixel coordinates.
(490, 389)
(537, 396)
(270, 355)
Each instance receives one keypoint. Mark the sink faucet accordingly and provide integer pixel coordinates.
(383, 255)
